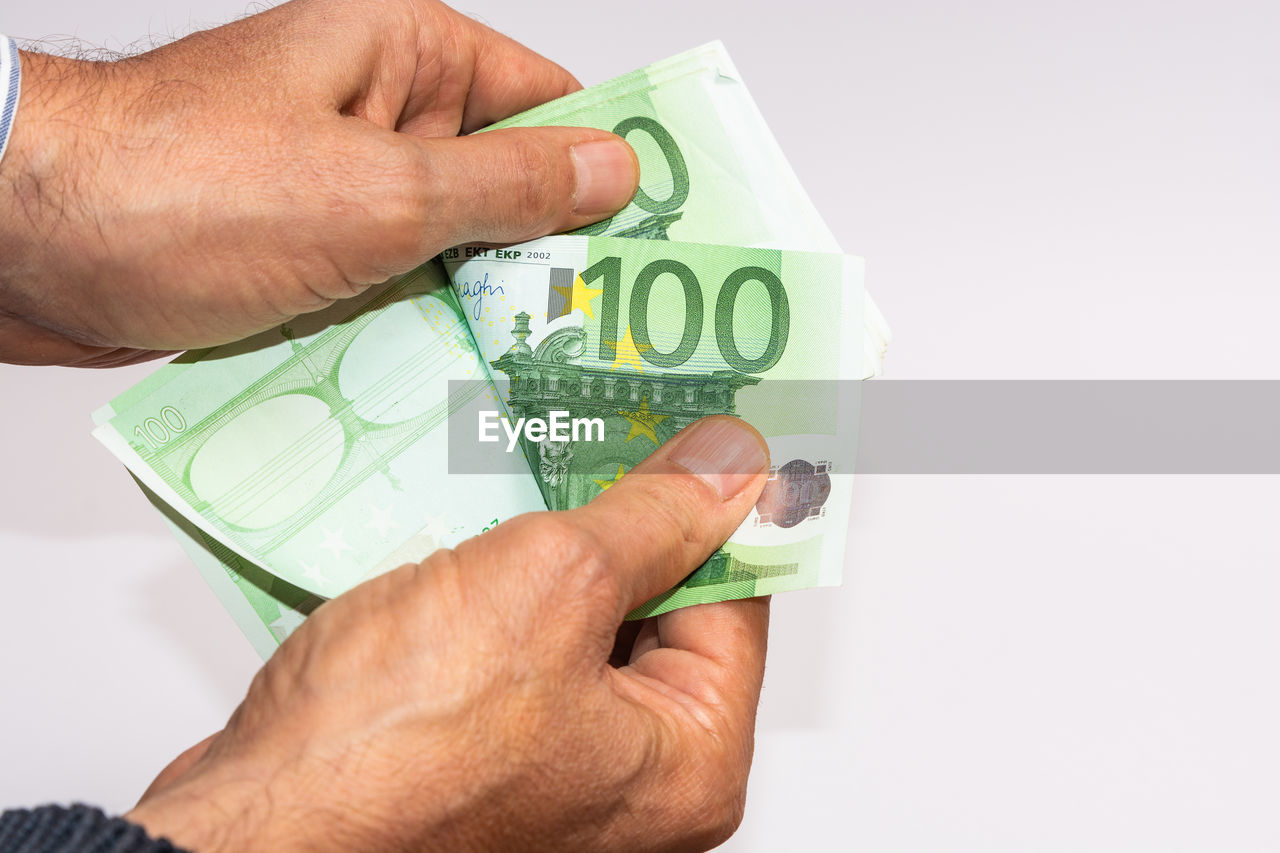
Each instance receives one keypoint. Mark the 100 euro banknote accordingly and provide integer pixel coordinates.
(642, 337)
(711, 169)
(299, 462)
(317, 450)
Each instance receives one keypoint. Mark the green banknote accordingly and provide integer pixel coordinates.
(317, 451)
(265, 607)
(635, 339)
(711, 170)
(295, 464)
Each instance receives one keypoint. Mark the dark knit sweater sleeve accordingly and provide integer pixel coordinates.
(78, 829)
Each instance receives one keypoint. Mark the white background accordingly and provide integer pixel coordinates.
(1042, 190)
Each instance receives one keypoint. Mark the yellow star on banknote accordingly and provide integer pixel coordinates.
(644, 422)
(627, 351)
(578, 295)
(606, 482)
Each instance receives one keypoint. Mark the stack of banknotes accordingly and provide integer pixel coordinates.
(297, 463)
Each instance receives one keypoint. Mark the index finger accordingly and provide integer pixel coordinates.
(507, 77)
(714, 653)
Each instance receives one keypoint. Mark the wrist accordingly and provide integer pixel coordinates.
(260, 803)
(44, 178)
(206, 817)
(10, 88)
(57, 113)
(294, 797)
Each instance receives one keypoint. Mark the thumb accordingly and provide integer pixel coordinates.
(655, 530)
(516, 184)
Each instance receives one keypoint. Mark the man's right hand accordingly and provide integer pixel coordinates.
(487, 700)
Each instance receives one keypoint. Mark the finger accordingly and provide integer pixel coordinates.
(126, 357)
(666, 517)
(733, 635)
(646, 640)
(510, 78)
(699, 670)
(514, 185)
(26, 343)
(477, 76)
(714, 654)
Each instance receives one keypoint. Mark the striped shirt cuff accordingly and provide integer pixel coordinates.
(10, 84)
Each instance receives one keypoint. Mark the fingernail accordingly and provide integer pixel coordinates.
(606, 175)
(725, 452)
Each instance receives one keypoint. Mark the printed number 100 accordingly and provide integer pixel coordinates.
(160, 431)
(610, 270)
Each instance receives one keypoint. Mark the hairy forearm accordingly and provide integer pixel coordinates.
(56, 198)
(50, 153)
(37, 170)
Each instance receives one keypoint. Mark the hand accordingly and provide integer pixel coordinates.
(470, 703)
(224, 183)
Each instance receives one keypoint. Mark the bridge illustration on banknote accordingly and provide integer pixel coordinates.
(640, 412)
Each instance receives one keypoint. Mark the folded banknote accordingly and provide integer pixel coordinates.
(299, 462)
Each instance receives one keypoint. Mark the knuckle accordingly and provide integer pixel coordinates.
(394, 184)
(402, 214)
(536, 175)
(442, 562)
(401, 234)
(721, 795)
(401, 241)
(671, 505)
(559, 552)
(578, 551)
(594, 571)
